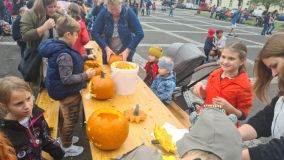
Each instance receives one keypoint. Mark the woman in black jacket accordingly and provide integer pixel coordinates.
(270, 121)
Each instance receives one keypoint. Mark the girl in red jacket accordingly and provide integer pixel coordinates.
(151, 66)
(229, 86)
(83, 36)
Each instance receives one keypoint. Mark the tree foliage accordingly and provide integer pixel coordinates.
(267, 3)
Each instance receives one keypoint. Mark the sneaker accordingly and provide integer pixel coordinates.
(72, 150)
(235, 35)
(75, 139)
(230, 34)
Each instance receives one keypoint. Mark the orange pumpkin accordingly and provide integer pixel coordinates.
(107, 128)
(102, 87)
(135, 115)
(114, 58)
(93, 64)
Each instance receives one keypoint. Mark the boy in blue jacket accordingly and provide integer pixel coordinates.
(165, 82)
(65, 78)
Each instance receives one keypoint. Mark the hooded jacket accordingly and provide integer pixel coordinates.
(163, 87)
(29, 142)
(51, 49)
(237, 91)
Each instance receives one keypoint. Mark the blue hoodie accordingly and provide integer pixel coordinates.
(164, 87)
(51, 49)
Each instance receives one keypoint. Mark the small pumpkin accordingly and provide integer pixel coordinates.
(102, 87)
(93, 64)
(135, 115)
(107, 128)
(114, 58)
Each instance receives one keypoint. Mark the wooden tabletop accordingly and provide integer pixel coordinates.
(157, 113)
(138, 133)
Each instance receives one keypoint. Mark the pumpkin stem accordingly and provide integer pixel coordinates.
(103, 74)
(136, 110)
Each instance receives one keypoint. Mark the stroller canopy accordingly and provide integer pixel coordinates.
(186, 57)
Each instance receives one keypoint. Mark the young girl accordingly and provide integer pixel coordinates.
(23, 122)
(151, 66)
(83, 36)
(229, 86)
(7, 152)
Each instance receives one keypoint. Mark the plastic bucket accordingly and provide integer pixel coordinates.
(125, 79)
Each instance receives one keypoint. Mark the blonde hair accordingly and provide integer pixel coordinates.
(274, 47)
(241, 48)
(9, 84)
(67, 24)
(7, 152)
(74, 11)
(39, 8)
(114, 2)
(203, 155)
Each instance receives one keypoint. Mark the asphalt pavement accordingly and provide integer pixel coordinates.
(160, 30)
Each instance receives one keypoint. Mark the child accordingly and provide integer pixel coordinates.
(209, 43)
(151, 66)
(16, 33)
(65, 78)
(7, 152)
(165, 82)
(229, 86)
(213, 137)
(83, 36)
(23, 121)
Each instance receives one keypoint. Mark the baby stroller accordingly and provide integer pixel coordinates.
(188, 63)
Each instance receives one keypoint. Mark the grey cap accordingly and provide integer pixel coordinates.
(213, 132)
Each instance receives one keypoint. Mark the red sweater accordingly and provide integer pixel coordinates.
(237, 91)
(83, 38)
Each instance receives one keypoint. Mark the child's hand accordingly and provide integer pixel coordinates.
(91, 56)
(199, 90)
(91, 72)
(223, 102)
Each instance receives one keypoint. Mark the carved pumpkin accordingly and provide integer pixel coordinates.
(114, 58)
(102, 86)
(93, 64)
(135, 115)
(107, 128)
(123, 65)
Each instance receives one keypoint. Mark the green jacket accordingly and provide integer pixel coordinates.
(29, 24)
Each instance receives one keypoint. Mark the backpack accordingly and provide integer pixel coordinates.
(149, 3)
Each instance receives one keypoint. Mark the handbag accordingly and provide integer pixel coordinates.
(30, 65)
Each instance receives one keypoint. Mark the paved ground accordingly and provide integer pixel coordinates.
(161, 30)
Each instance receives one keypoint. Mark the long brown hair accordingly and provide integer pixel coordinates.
(7, 152)
(274, 47)
(39, 8)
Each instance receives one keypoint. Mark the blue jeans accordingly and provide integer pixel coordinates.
(265, 29)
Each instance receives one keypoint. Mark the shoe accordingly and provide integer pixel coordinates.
(230, 34)
(75, 139)
(235, 35)
(72, 150)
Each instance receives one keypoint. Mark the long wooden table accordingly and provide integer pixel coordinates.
(157, 113)
(138, 133)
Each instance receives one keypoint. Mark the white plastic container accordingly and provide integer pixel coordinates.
(125, 79)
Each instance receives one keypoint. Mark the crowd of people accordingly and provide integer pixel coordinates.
(51, 39)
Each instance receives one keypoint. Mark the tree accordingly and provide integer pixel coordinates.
(266, 3)
(240, 3)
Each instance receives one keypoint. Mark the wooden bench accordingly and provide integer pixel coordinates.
(51, 114)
